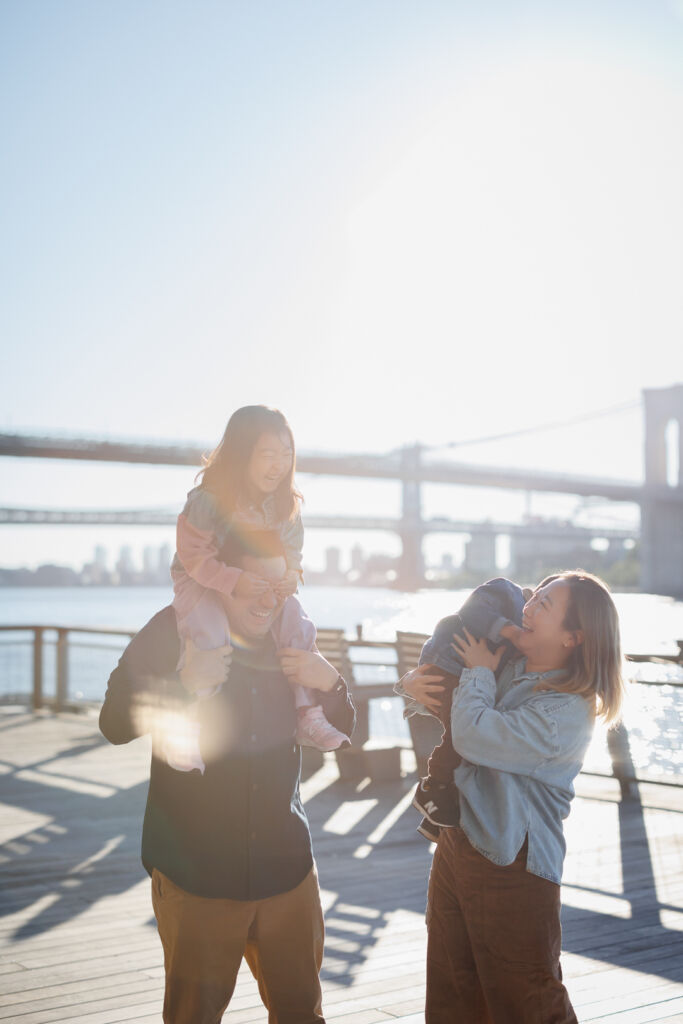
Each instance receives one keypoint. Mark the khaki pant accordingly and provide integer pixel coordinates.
(204, 941)
(494, 936)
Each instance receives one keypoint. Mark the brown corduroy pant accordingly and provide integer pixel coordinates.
(494, 936)
(204, 940)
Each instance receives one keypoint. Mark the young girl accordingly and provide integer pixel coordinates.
(246, 484)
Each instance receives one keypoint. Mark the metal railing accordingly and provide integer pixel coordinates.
(38, 675)
(48, 682)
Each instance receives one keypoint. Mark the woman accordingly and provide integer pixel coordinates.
(493, 911)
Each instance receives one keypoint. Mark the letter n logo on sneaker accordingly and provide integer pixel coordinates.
(430, 806)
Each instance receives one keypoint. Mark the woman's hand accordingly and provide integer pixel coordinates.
(250, 585)
(422, 683)
(476, 653)
(287, 585)
(307, 668)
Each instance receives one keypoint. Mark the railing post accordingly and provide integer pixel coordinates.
(37, 667)
(62, 668)
(622, 763)
(361, 734)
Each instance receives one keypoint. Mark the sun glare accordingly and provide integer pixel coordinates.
(543, 202)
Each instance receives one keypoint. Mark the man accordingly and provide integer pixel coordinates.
(229, 849)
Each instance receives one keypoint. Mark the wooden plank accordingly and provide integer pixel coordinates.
(77, 936)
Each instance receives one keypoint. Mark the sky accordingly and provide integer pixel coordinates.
(397, 222)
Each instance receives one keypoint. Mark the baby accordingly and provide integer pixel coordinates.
(493, 611)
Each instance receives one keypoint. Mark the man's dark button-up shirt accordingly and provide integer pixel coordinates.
(238, 831)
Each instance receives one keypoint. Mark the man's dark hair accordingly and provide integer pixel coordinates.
(252, 543)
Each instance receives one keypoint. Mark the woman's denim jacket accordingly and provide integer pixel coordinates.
(522, 748)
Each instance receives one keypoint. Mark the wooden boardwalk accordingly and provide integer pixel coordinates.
(78, 941)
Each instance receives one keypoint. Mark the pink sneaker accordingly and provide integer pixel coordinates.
(313, 730)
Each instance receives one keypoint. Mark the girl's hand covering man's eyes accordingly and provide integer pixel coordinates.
(250, 585)
(287, 585)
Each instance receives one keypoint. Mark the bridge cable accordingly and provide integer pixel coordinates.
(555, 425)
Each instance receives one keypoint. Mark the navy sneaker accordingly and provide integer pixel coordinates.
(438, 802)
(429, 831)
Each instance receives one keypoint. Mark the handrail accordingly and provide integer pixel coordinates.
(357, 641)
(107, 630)
(62, 656)
(618, 741)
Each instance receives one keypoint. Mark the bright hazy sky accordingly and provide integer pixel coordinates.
(395, 221)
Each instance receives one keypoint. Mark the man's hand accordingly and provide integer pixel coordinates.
(307, 668)
(422, 683)
(205, 670)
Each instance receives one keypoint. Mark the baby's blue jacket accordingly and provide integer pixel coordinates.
(488, 608)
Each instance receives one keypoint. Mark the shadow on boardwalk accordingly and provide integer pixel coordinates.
(85, 844)
(71, 825)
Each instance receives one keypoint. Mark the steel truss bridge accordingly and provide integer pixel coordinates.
(660, 503)
(408, 465)
(166, 517)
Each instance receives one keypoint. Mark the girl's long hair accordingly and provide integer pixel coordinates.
(225, 470)
(594, 668)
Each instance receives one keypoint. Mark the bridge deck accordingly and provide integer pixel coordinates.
(406, 464)
(78, 942)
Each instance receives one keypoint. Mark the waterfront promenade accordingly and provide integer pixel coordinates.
(78, 942)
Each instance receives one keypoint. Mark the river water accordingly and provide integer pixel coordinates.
(650, 624)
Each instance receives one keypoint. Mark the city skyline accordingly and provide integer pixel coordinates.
(470, 558)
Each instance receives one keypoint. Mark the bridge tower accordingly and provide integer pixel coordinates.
(662, 504)
(411, 563)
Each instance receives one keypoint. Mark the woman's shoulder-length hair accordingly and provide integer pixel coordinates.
(595, 666)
